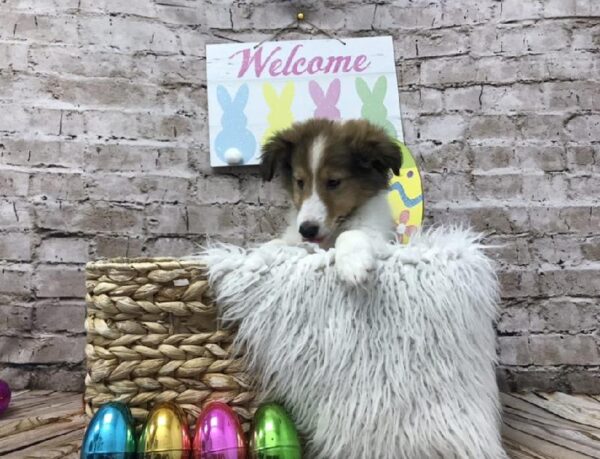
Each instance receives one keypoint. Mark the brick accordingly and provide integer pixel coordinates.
(510, 251)
(89, 218)
(168, 219)
(216, 189)
(443, 129)
(583, 127)
(448, 70)
(547, 158)
(514, 98)
(518, 283)
(214, 220)
(440, 158)
(60, 316)
(128, 34)
(13, 183)
(516, 10)
(42, 349)
(447, 187)
(467, 98)
(514, 320)
(15, 279)
(583, 381)
(544, 187)
(564, 349)
(498, 186)
(15, 319)
(15, 215)
(565, 314)
(18, 378)
(120, 188)
(263, 224)
(59, 281)
(564, 219)
(535, 378)
(586, 38)
(568, 8)
(57, 186)
(133, 7)
(15, 246)
(39, 27)
(60, 379)
(116, 246)
(393, 17)
(491, 127)
(38, 153)
(582, 280)
(490, 157)
(514, 350)
(173, 246)
(63, 250)
(13, 56)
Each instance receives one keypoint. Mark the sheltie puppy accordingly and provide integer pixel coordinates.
(337, 174)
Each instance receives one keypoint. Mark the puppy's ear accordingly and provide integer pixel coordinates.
(374, 148)
(277, 153)
(386, 155)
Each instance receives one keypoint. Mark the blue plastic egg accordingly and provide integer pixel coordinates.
(110, 433)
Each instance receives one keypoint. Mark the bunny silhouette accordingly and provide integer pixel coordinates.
(373, 108)
(280, 108)
(325, 103)
(234, 138)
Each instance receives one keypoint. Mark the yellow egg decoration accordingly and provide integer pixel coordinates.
(406, 197)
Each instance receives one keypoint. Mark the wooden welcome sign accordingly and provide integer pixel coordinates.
(256, 90)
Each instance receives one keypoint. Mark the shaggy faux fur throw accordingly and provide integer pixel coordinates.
(400, 368)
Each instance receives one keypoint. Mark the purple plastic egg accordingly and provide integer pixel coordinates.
(4, 396)
(219, 434)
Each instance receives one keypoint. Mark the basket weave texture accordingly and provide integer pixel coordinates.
(152, 337)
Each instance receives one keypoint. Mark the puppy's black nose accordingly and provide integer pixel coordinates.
(309, 230)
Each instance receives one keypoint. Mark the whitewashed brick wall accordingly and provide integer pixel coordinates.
(103, 152)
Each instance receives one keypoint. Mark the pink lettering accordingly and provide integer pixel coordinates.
(315, 64)
(248, 59)
(335, 62)
(296, 67)
(274, 67)
(276, 64)
(288, 63)
(359, 63)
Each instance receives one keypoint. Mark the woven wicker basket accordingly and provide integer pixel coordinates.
(152, 337)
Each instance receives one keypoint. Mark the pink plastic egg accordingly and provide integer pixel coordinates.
(219, 434)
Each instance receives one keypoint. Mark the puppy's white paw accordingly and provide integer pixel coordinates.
(355, 268)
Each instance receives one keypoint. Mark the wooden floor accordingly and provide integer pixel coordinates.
(50, 425)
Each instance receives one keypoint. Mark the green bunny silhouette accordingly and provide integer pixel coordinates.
(280, 108)
(373, 108)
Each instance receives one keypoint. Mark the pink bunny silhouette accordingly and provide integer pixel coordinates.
(325, 103)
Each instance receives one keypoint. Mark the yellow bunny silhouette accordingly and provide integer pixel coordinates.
(280, 108)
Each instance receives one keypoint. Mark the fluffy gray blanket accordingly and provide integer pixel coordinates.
(400, 368)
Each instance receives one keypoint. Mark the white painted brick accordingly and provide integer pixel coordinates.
(13, 56)
(63, 250)
(15, 246)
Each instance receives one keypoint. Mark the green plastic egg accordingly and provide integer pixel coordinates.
(274, 435)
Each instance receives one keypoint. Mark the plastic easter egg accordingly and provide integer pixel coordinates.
(5, 395)
(165, 434)
(110, 433)
(219, 434)
(274, 435)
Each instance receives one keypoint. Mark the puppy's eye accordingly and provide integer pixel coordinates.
(300, 183)
(332, 184)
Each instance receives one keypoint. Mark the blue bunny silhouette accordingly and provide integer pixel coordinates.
(235, 133)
